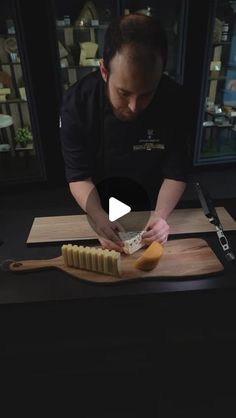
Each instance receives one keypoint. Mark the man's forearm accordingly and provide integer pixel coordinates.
(86, 195)
(168, 197)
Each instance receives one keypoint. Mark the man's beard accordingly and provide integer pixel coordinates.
(123, 114)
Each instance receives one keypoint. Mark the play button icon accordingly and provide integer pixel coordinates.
(117, 209)
(123, 201)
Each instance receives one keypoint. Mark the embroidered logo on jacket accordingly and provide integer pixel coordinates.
(151, 142)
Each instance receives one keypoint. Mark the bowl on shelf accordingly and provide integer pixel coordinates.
(5, 121)
(5, 147)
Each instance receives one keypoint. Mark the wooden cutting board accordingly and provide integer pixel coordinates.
(76, 227)
(181, 258)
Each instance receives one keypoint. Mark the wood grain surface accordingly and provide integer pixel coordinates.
(71, 228)
(181, 258)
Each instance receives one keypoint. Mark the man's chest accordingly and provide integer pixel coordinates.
(150, 134)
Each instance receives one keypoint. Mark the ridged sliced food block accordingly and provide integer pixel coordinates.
(67, 255)
(132, 241)
(100, 260)
(115, 262)
(88, 261)
(94, 262)
(82, 260)
(92, 259)
(75, 256)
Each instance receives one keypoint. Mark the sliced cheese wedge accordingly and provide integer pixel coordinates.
(92, 259)
(132, 241)
(150, 257)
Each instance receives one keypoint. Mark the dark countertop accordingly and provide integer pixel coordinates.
(169, 332)
(17, 213)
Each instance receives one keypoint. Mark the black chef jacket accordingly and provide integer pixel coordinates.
(126, 160)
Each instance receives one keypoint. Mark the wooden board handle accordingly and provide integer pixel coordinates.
(24, 265)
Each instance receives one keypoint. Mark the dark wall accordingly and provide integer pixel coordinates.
(36, 30)
(195, 60)
(6, 12)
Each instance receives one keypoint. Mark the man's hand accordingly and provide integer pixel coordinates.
(107, 232)
(86, 195)
(157, 229)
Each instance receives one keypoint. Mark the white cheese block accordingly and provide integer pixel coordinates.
(132, 241)
(69, 255)
(81, 257)
(91, 258)
(100, 260)
(75, 256)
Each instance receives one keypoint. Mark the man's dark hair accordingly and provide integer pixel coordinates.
(135, 29)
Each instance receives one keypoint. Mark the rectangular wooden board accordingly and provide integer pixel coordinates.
(72, 228)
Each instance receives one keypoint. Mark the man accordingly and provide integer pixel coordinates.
(122, 127)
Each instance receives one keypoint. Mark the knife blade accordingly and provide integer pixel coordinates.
(207, 205)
